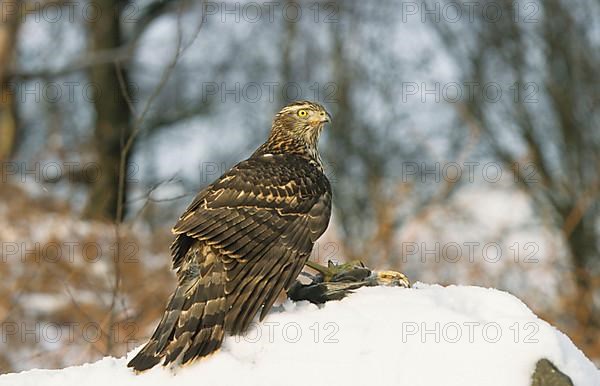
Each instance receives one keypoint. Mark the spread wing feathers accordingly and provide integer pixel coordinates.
(251, 205)
(242, 241)
(251, 286)
(264, 217)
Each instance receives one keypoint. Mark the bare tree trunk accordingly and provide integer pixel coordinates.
(112, 116)
(582, 245)
(9, 26)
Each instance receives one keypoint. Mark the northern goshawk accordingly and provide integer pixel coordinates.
(244, 239)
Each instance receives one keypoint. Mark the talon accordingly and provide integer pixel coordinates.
(392, 279)
(325, 273)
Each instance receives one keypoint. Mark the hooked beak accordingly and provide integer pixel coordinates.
(320, 118)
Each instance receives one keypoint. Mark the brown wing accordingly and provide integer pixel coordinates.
(263, 217)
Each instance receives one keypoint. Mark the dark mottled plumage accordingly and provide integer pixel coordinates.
(244, 239)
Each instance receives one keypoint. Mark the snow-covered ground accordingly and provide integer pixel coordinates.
(428, 335)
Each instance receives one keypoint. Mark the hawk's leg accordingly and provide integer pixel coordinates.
(336, 281)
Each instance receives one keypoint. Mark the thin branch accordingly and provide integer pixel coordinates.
(180, 50)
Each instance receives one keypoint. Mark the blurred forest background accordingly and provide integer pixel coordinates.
(464, 149)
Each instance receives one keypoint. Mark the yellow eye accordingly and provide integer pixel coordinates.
(302, 113)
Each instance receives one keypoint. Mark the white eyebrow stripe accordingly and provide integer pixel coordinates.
(268, 155)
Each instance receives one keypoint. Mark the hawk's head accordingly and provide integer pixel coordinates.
(296, 129)
(302, 120)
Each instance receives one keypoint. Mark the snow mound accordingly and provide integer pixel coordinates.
(427, 335)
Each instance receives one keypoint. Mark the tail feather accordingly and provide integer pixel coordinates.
(202, 308)
(206, 341)
(192, 325)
